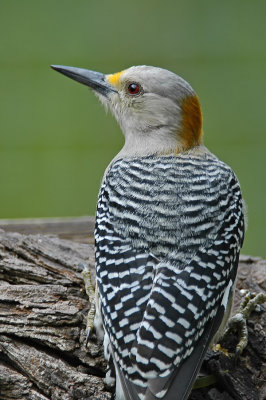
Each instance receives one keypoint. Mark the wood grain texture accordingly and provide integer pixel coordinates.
(78, 229)
(43, 309)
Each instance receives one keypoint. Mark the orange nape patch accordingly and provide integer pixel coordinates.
(114, 79)
(191, 131)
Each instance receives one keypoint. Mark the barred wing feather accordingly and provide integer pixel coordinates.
(168, 236)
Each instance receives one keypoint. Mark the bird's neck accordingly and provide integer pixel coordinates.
(161, 141)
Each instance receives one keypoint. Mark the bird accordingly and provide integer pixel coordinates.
(169, 228)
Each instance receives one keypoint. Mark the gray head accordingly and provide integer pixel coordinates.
(157, 110)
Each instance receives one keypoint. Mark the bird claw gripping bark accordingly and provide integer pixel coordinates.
(239, 320)
(90, 290)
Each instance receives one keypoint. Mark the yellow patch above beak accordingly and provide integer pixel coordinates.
(114, 79)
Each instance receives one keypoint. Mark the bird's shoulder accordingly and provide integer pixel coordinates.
(154, 173)
(186, 195)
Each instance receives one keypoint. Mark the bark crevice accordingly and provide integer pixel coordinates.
(43, 310)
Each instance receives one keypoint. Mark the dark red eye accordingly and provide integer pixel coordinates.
(133, 88)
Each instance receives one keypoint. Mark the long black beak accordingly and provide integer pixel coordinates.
(93, 79)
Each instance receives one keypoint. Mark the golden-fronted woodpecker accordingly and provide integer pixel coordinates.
(169, 228)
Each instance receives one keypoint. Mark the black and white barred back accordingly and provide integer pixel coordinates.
(168, 234)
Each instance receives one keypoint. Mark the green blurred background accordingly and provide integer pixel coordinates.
(56, 139)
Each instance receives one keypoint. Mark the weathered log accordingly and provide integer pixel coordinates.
(79, 229)
(43, 309)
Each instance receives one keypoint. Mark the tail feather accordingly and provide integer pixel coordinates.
(176, 386)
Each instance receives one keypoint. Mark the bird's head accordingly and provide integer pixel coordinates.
(157, 110)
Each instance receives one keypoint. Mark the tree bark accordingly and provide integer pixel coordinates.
(43, 309)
